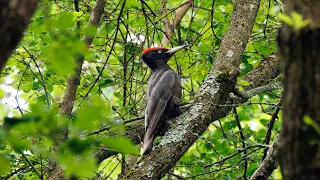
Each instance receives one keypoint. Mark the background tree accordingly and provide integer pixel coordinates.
(299, 49)
(15, 17)
(229, 75)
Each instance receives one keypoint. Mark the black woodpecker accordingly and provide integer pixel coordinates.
(163, 93)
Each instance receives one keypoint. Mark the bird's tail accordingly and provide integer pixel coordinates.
(147, 144)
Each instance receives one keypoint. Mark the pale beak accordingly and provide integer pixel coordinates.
(176, 49)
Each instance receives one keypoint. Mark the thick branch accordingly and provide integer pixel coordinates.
(269, 164)
(252, 92)
(260, 76)
(169, 27)
(14, 17)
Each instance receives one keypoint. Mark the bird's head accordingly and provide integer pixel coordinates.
(156, 57)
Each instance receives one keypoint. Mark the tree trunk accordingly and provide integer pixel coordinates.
(14, 17)
(299, 153)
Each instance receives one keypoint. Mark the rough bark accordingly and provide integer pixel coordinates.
(269, 164)
(215, 90)
(169, 27)
(260, 76)
(56, 172)
(299, 153)
(14, 17)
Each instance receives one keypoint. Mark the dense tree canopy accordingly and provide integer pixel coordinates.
(72, 93)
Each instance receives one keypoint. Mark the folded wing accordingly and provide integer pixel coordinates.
(159, 95)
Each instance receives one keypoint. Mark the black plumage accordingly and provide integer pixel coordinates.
(163, 93)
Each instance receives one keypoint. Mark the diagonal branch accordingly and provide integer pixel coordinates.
(270, 127)
(269, 164)
(170, 26)
(243, 142)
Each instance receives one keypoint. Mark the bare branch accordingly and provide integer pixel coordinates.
(238, 152)
(270, 127)
(269, 164)
(169, 27)
(31, 165)
(243, 143)
(255, 91)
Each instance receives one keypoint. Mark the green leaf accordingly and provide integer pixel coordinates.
(64, 21)
(219, 15)
(245, 114)
(309, 121)
(90, 114)
(105, 83)
(286, 19)
(4, 165)
(1, 93)
(260, 135)
(82, 165)
(264, 121)
(295, 20)
(90, 31)
(122, 145)
(26, 86)
(60, 58)
(230, 125)
(243, 82)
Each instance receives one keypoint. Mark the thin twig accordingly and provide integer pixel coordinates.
(270, 127)
(243, 142)
(233, 155)
(31, 165)
(41, 76)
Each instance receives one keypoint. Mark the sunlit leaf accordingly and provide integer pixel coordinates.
(121, 145)
(4, 165)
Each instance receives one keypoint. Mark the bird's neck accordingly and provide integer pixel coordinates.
(158, 67)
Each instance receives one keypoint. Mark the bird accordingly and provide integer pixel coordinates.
(163, 93)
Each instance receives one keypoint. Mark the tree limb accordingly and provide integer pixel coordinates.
(260, 76)
(270, 127)
(269, 164)
(169, 27)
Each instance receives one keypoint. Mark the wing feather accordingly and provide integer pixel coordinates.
(159, 96)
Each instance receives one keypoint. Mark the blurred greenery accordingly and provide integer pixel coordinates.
(113, 83)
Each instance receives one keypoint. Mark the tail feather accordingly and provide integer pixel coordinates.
(147, 145)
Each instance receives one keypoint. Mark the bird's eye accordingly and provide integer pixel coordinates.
(159, 51)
